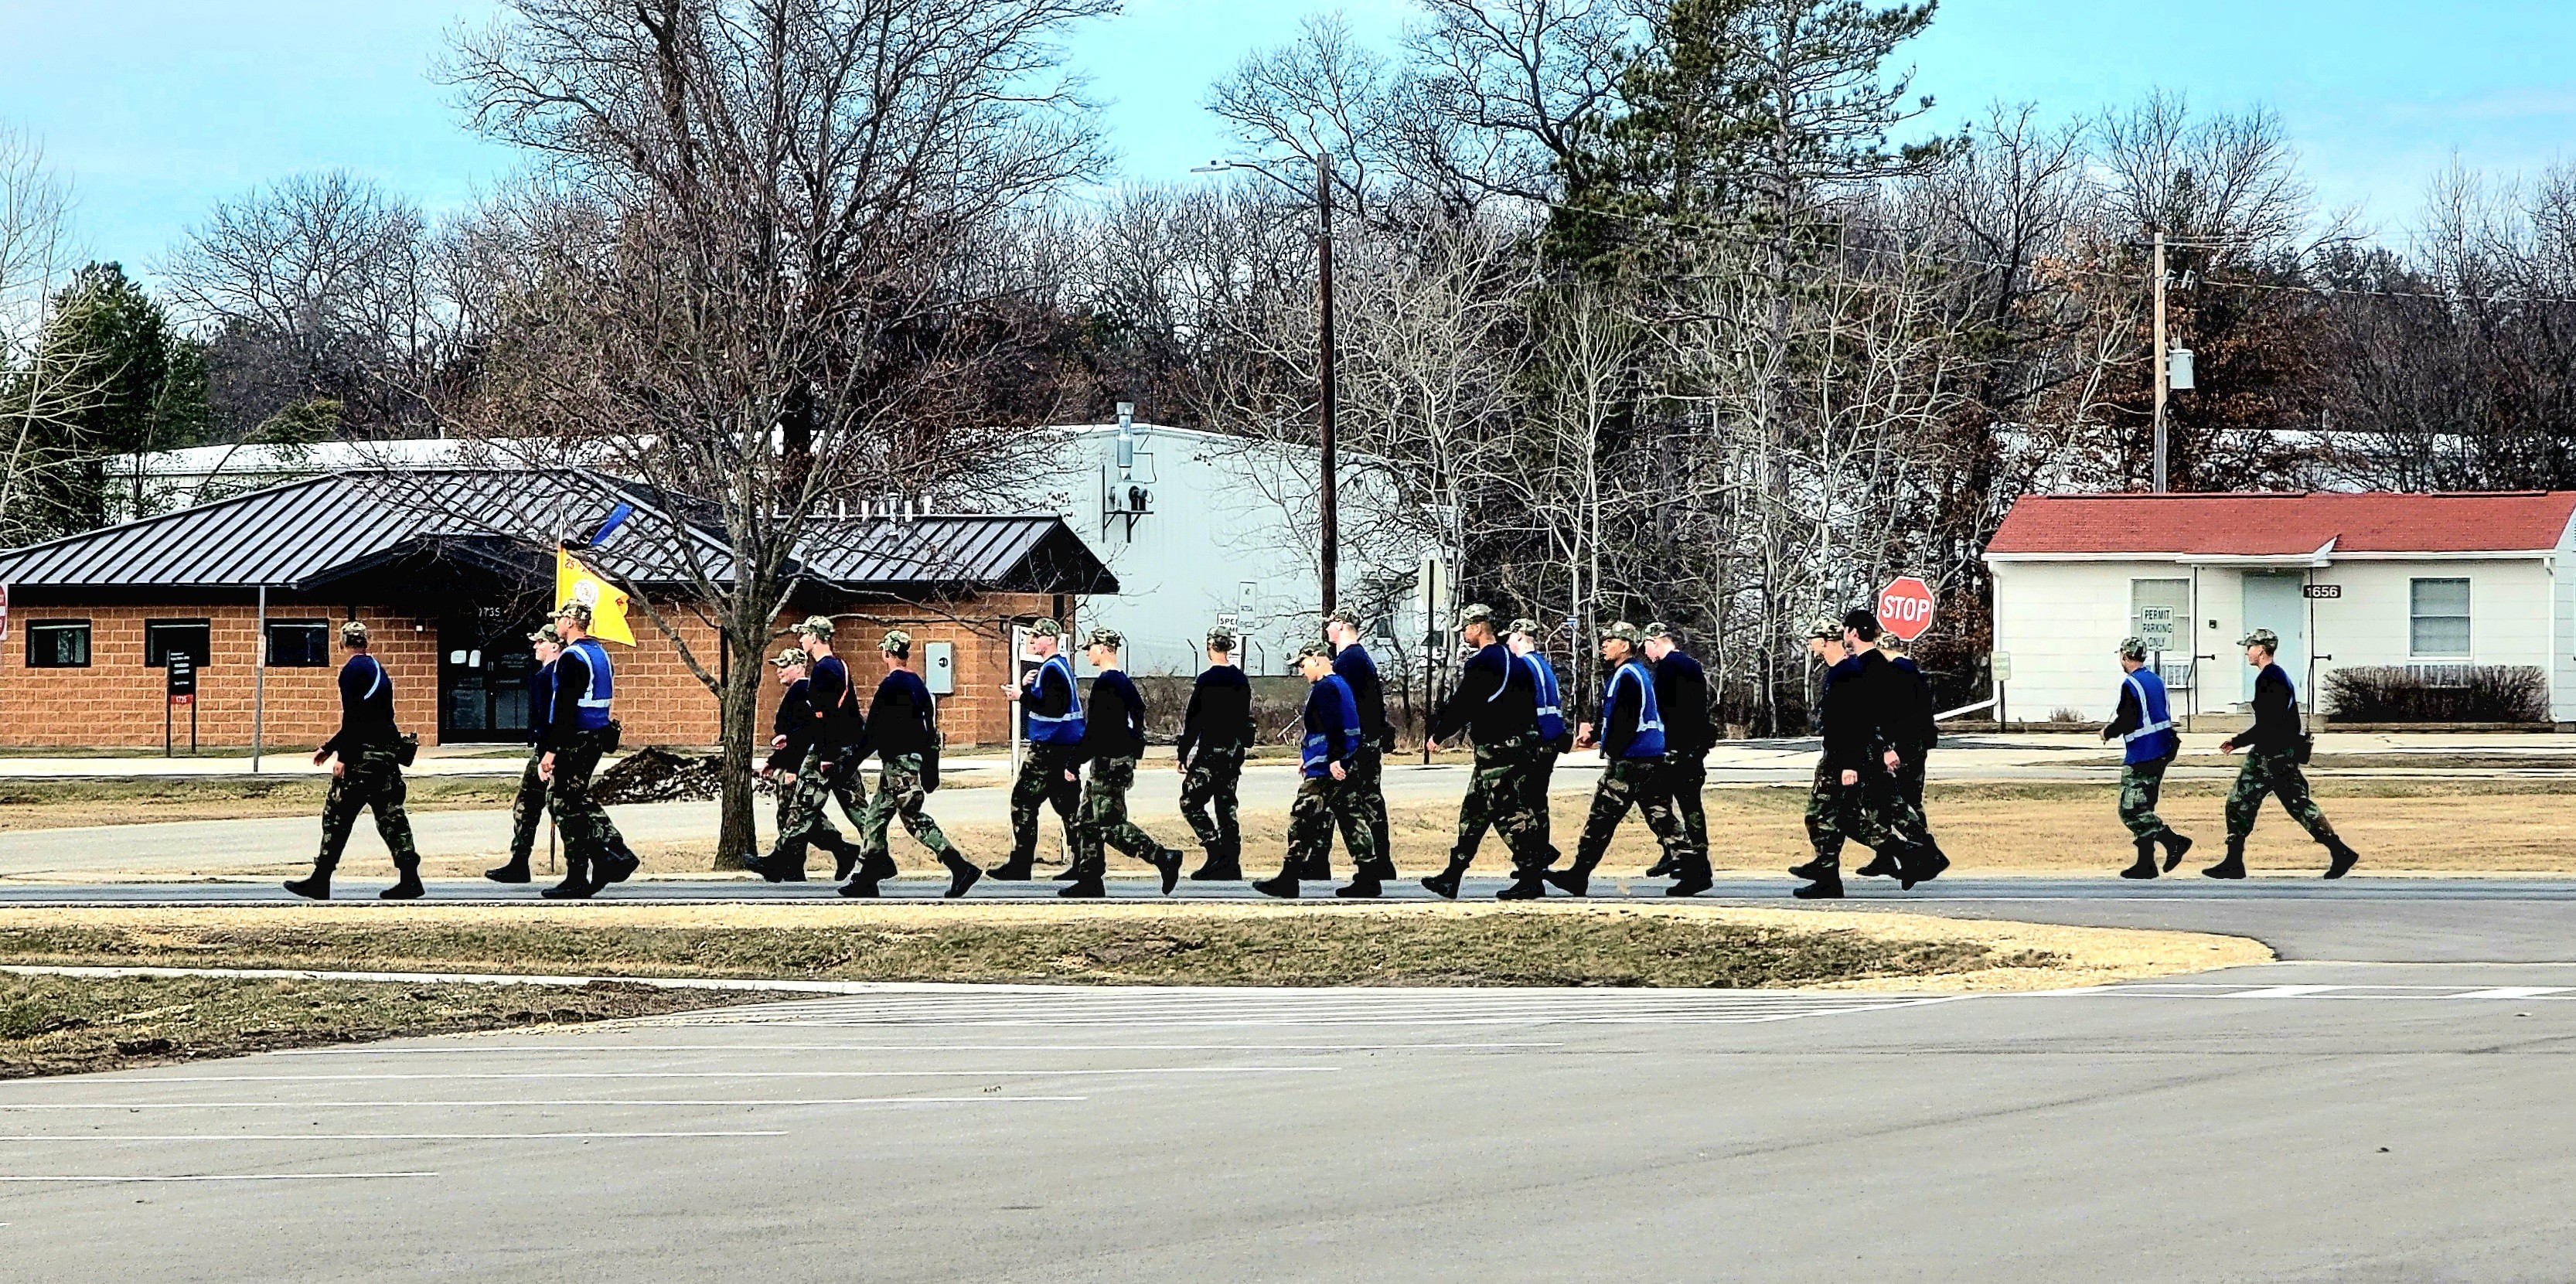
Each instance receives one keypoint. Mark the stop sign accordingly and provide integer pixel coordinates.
(1905, 607)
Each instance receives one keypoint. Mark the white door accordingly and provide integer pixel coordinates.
(2279, 602)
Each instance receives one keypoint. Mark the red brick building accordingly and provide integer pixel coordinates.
(452, 570)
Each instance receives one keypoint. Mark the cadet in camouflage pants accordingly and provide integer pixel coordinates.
(2141, 783)
(1821, 833)
(2273, 772)
(1498, 796)
(1104, 820)
(1873, 813)
(1321, 803)
(1626, 783)
(1041, 780)
(525, 811)
(371, 779)
(1213, 776)
(800, 805)
(899, 793)
(587, 831)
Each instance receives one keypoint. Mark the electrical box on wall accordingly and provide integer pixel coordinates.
(939, 667)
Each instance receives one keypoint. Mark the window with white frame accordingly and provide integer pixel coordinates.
(2438, 619)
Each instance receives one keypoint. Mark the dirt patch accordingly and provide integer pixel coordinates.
(80, 1024)
(1214, 944)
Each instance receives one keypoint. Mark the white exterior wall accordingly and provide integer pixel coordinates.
(1220, 536)
(2060, 621)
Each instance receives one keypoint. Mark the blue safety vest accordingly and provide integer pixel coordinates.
(1650, 718)
(2155, 736)
(1315, 752)
(1551, 703)
(1066, 729)
(593, 704)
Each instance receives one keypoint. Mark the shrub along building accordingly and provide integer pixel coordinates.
(452, 569)
(2457, 603)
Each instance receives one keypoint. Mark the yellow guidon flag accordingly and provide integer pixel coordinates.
(575, 582)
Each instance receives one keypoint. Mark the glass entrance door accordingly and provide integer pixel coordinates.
(483, 666)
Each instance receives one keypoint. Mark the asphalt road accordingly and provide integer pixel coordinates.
(2343, 1121)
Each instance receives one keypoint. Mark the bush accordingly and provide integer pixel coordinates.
(2480, 693)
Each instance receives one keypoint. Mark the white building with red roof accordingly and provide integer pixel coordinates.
(2431, 582)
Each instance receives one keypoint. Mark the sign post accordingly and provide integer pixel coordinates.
(179, 686)
(1905, 607)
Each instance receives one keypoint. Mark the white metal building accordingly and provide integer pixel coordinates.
(2425, 581)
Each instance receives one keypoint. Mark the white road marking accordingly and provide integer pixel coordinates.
(1205, 1007)
(387, 1136)
(527, 1105)
(2281, 991)
(987, 1072)
(2331, 993)
(223, 1177)
(2511, 992)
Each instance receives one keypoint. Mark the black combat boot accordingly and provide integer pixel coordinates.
(1667, 866)
(1017, 869)
(1379, 868)
(315, 886)
(1283, 884)
(1692, 878)
(860, 887)
(2145, 866)
(613, 866)
(845, 856)
(1083, 887)
(1368, 881)
(1817, 868)
(878, 866)
(406, 883)
(1166, 862)
(1445, 883)
(1828, 887)
(962, 874)
(515, 871)
(1527, 885)
(1316, 869)
(2234, 865)
(576, 884)
(2344, 858)
(2175, 846)
(1882, 864)
(1224, 865)
(1577, 880)
(1919, 864)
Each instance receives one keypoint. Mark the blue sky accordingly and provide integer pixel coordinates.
(158, 108)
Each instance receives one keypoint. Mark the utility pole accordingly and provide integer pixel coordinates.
(2160, 363)
(1332, 538)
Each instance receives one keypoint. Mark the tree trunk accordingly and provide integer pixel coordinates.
(738, 703)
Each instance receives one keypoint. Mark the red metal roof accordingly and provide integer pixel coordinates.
(2235, 524)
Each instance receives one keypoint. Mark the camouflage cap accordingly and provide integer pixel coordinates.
(1825, 631)
(789, 658)
(1623, 631)
(1223, 639)
(1524, 626)
(1475, 613)
(353, 630)
(2264, 638)
(1045, 628)
(1315, 651)
(577, 612)
(546, 633)
(1893, 644)
(820, 626)
(2133, 647)
(1110, 638)
(895, 640)
(1344, 615)
(1659, 629)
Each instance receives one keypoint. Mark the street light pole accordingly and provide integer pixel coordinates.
(1330, 554)
(2161, 375)
(1328, 561)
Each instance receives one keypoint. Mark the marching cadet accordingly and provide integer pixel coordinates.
(2272, 750)
(903, 731)
(2144, 727)
(834, 742)
(530, 805)
(1367, 786)
(1051, 769)
(1328, 755)
(579, 729)
(1554, 738)
(1113, 739)
(1914, 735)
(1496, 705)
(1216, 731)
(1632, 752)
(791, 742)
(1681, 692)
(1825, 646)
(367, 775)
(1866, 705)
